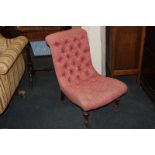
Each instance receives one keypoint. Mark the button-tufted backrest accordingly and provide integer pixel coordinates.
(71, 56)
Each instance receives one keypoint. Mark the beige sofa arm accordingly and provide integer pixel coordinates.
(9, 56)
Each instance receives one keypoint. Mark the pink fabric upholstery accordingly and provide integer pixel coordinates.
(76, 76)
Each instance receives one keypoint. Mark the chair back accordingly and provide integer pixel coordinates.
(71, 56)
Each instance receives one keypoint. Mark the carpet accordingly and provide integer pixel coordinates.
(42, 108)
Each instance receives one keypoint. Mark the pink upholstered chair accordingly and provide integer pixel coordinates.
(76, 75)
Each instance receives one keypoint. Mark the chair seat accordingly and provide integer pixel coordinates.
(95, 92)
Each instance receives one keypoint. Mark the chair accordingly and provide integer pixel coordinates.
(12, 67)
(76, 75)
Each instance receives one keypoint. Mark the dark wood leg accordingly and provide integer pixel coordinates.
(85, 116)
(62, 97)
(116, 104)
(29, 64)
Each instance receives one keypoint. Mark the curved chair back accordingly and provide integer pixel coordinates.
(71, 56)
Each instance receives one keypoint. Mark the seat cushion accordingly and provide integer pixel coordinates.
(95, 92)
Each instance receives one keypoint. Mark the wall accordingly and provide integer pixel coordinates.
(96, 35)
(103, 49)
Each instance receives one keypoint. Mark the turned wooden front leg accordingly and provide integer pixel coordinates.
(86, 116)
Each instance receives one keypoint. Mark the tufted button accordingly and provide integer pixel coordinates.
(71, 47)
(66, 41)
(68, 56)
(65, 65)
(69, 79)
(87, 64)
(86, 50)
(79, 68)
(73, 63)
(56, 43)
(76, 53)
(63, 74)
(75, 39)
(59, 59)
(63, 50)
(77, 77)
(79, 44)
(82, 59)
(71, 71)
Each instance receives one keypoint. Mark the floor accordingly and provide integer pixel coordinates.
(41, 108)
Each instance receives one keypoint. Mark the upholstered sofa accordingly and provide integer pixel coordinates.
(12, 67)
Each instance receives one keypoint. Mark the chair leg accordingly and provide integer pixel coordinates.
(29, 64)
(62, 97)
(116, 104)
(85, 116)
